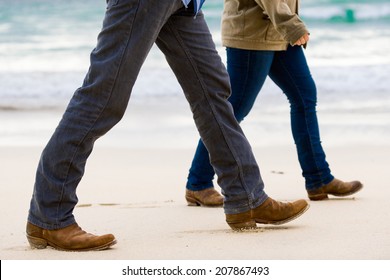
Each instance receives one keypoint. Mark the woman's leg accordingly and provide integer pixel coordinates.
(291, 73)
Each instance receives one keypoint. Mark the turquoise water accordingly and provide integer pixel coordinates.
(346, 11)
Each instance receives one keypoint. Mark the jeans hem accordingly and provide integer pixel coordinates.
(202, 187)
(244, 207)
(315, 186)
(40, 224)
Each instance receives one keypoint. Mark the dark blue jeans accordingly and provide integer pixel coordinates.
(289, 70)
(130, 29)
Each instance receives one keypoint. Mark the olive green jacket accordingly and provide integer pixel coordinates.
(261, 24)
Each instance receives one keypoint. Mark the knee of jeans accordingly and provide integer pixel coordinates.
(239, 117)
(303, 104)
(240, 114)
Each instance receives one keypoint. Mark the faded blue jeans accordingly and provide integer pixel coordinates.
(130, 29)
(248, 70)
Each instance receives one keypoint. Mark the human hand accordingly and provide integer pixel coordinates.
(303, 40)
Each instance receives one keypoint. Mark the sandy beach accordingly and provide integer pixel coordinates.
(136, 192)
(134, 181)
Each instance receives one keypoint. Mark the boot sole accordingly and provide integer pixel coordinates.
(251, 224)
(40, 243)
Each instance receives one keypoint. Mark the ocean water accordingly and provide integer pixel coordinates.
(45, 47)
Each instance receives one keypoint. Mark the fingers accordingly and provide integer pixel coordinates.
(303, 40)
(306, 37)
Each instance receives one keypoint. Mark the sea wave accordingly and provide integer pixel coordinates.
(327, 11)
(53, 90)
(348, 12)
(45, 47)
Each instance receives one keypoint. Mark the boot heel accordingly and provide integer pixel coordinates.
(37, 243)
(192, 202)
(243, 225)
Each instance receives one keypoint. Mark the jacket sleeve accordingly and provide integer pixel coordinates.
(285, 21)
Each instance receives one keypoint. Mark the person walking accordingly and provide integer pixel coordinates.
(130, 28)
(266, 38)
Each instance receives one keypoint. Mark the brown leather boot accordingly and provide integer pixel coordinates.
(208, 198)
(337, 188)
(270, 212)
(71, 238)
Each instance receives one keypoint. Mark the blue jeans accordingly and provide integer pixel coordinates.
(289, 70)
(130, 28)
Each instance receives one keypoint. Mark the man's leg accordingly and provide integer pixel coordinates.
(247, 71)
(129, 30)
(191, 53)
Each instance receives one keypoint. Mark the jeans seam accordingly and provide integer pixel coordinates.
(305, 113)
(245, 82)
